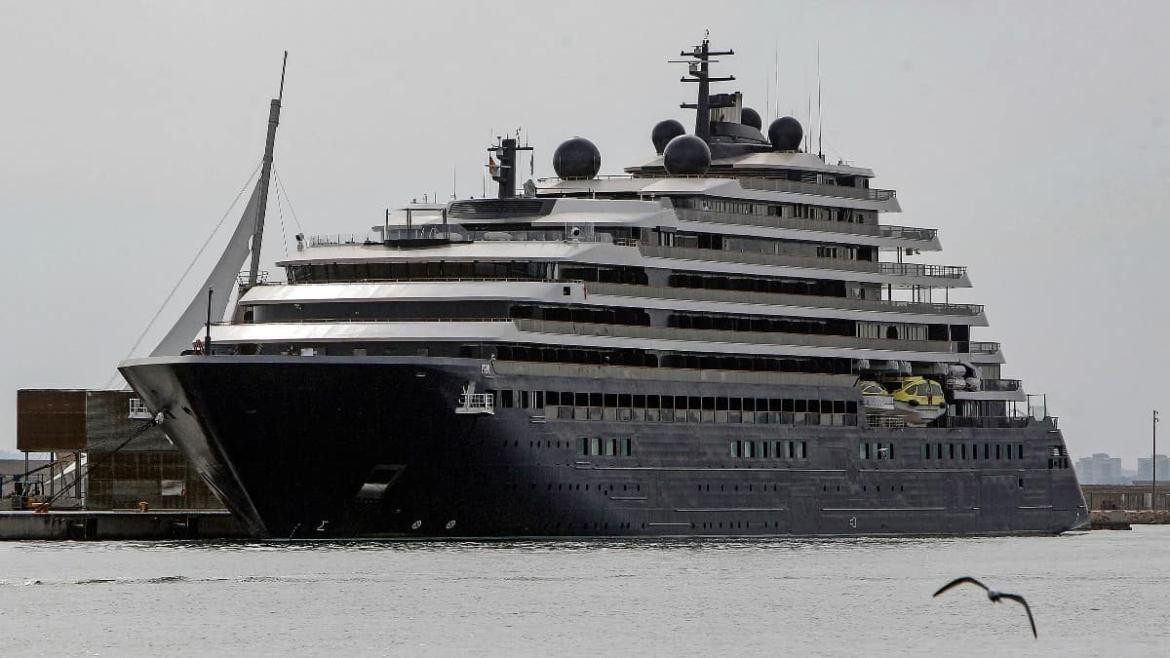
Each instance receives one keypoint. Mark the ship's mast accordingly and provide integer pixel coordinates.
(505, 173)
(699, 72)
(265, 175)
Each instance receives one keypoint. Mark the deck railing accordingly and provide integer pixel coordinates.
(726, 336)
(774, 221)
(923, 270)
(819, 189)
(756, 258)
(839, 264)
(782, 299)
(908, 232)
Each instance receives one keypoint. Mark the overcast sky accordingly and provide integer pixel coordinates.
(1033, 135)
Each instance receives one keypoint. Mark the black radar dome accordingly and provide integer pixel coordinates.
(686, 155)
(785, 134)
(750, 117)
(663, 132)
(577, 158)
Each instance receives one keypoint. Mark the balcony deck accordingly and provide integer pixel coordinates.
(953, 273)
(780, 299)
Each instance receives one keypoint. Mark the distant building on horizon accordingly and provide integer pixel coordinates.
(1101, 469)
(1144, 474)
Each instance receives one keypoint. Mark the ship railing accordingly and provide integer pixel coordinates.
(775, 221)
(261, 278)
(782, 299)
(757, 258)
(138, 410)
(908, 232)
(990, 422)
(476, 403)
(752, 183)
(885, 421)
(837, 264)
(819, 189)
(924, 270)
(729, 336)
(551, 235)
(979, 347)
(339, 239)
(427, 233)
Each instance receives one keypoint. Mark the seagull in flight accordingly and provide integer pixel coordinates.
(993, 596)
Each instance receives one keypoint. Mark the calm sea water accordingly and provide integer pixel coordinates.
(1097, 593)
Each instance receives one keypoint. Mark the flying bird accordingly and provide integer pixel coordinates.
(993, 596)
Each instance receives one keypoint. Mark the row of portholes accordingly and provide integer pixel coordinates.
(546, 444)
(749, 488)
(561, 486)
(864, 488)
(731, 525)
(625, 525)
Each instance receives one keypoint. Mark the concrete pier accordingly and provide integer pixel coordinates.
(124, 525)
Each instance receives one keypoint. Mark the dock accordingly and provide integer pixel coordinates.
(119, 525)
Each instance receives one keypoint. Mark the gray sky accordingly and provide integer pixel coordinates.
(1033, 135)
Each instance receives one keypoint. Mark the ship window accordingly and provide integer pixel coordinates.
(792, 450)
(525, 400)
(1019, 451)
(804, 449)
(611, 448)
(539, 396)
(764, 448)
(506, 398)
(734, 446)
(625, 447)
(625, 401)
(864, 450)
(581, 399)
(997, 451)
(566, 291)
(926, 451)
(890, 453)
(595, 399)
(595, 446)
(950, 451)
(583, 446)
(962, 451)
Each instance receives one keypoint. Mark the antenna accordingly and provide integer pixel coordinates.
(820, 114)
(776, 77)
(808, 137)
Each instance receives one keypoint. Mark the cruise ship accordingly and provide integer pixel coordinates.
(725, 340)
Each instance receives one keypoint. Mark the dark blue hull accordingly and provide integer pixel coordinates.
(348, 447)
